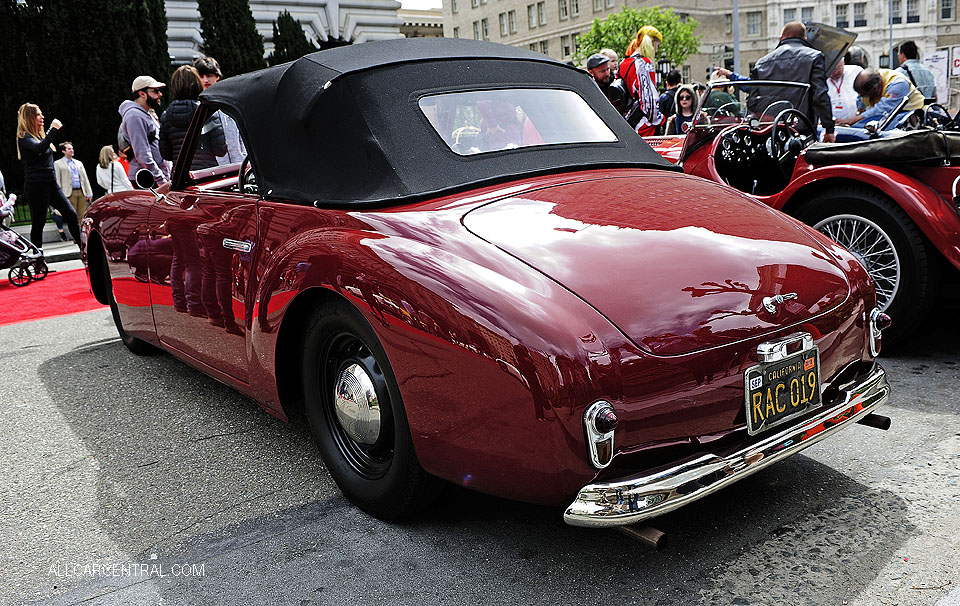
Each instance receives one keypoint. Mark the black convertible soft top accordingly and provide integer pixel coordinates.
(343, 126)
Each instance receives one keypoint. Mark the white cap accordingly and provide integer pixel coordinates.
(142, 82)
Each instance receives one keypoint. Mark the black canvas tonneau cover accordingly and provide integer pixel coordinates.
(343, 126)
(917, 148)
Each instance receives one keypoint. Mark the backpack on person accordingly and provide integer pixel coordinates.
(126, 150)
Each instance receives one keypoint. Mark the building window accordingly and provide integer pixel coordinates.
(544, 47)
(483, 1)
(533, 47)
(565, 45)
(542, 15)
(575, 8)
(575, 42)
(913, 11)
(531, 17)
(512, 19)
(563, 10)
(753, 23)
(728, 23)
(486, 28)
(806, 14)
(946, 10)
(597, 5)
(895, 14)
(474, 3)
(859, 14)
(454, 6)
(611, 3)
(503, 24)
(789, 15)
(456, 32)
(476, 30)
(842, 20)
(685, 73)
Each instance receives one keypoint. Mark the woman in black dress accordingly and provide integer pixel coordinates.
(35, 149)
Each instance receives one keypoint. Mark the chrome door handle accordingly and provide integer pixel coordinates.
(243, 246)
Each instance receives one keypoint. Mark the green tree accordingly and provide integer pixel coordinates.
(618, 29)
(230, 35)
(77, 73)
(289, 41)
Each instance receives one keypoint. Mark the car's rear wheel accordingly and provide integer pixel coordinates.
(357, 418)
(891, 247)
(135, 345)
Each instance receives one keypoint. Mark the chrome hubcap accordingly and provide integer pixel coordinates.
(356, 405)
(872, 246)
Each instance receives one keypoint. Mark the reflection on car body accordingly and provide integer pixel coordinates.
(454, 288)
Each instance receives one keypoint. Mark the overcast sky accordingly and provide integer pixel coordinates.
(420, 4)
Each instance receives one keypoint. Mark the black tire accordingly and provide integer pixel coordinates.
(40, 270)
(382, 476)
(19, 275)
(135, 345)
(907, 276)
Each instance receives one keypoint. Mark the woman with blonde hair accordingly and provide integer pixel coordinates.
(110, 173)
(35, 149)
(639, 75)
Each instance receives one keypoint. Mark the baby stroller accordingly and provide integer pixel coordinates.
(25, 260)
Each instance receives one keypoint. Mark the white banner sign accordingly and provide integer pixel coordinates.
(937, 63)
(955, 68)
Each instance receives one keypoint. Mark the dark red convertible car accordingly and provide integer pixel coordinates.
(460, 262)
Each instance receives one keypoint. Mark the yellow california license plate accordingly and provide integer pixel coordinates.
(777, 391)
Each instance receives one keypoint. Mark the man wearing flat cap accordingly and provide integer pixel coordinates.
(141, 130)
(602, 72)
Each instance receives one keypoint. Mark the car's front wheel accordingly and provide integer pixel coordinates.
(357, 418)
(891, 247)
(135, 345)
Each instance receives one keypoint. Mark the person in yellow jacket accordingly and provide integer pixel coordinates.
(881, 91)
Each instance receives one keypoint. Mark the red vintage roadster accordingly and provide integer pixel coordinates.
(892, 201)
(488, 280)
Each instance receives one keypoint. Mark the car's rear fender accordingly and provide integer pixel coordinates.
(936, 217)
(495, 368)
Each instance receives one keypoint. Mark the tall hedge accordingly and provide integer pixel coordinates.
(60, 56)
(289, 41)
(230, 35)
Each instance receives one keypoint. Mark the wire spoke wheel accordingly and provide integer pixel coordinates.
(872, 246)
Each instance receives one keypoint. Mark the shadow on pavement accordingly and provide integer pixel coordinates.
(193, 473)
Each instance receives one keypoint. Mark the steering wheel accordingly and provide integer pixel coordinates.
(786, 140)
(723, 111)
(936, 116)
(246, 180)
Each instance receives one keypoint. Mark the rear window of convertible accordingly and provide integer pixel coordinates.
(478, 122)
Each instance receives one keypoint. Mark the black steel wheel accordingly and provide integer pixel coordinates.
(357, 417)
(135, 345)
(20, 275)
(896, 254)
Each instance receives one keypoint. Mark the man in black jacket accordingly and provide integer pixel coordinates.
(795, 60)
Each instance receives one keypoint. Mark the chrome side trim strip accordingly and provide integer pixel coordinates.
(637, 498)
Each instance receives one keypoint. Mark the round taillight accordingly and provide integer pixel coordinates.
(881, 320)
(606, 420)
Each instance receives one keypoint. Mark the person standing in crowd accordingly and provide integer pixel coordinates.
(843, 99)
(856, 56)
(611, 54)
(638, 72)
(210, 74)
(111, 175)
(141, 130)
(668, 98)
(73, 180)
(686, 103)
(881, 91)
(600, 69)
(795, 60)
(919, 76)
(35, 150)
(185, 88)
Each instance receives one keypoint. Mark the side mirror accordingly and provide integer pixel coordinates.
(145, 179)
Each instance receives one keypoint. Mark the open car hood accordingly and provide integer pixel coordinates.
(832, 41)
(685, 269)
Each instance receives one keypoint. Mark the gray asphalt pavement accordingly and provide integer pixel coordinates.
(138, 480)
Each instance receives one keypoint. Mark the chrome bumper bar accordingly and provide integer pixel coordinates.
(634, 499)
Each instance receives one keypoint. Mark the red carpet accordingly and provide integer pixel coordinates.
(62, 293)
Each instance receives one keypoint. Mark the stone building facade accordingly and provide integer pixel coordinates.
(422, 23)
(348, 20)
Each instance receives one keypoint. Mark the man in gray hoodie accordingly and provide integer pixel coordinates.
(141, 130)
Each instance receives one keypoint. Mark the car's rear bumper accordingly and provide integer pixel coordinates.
(637, 498)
